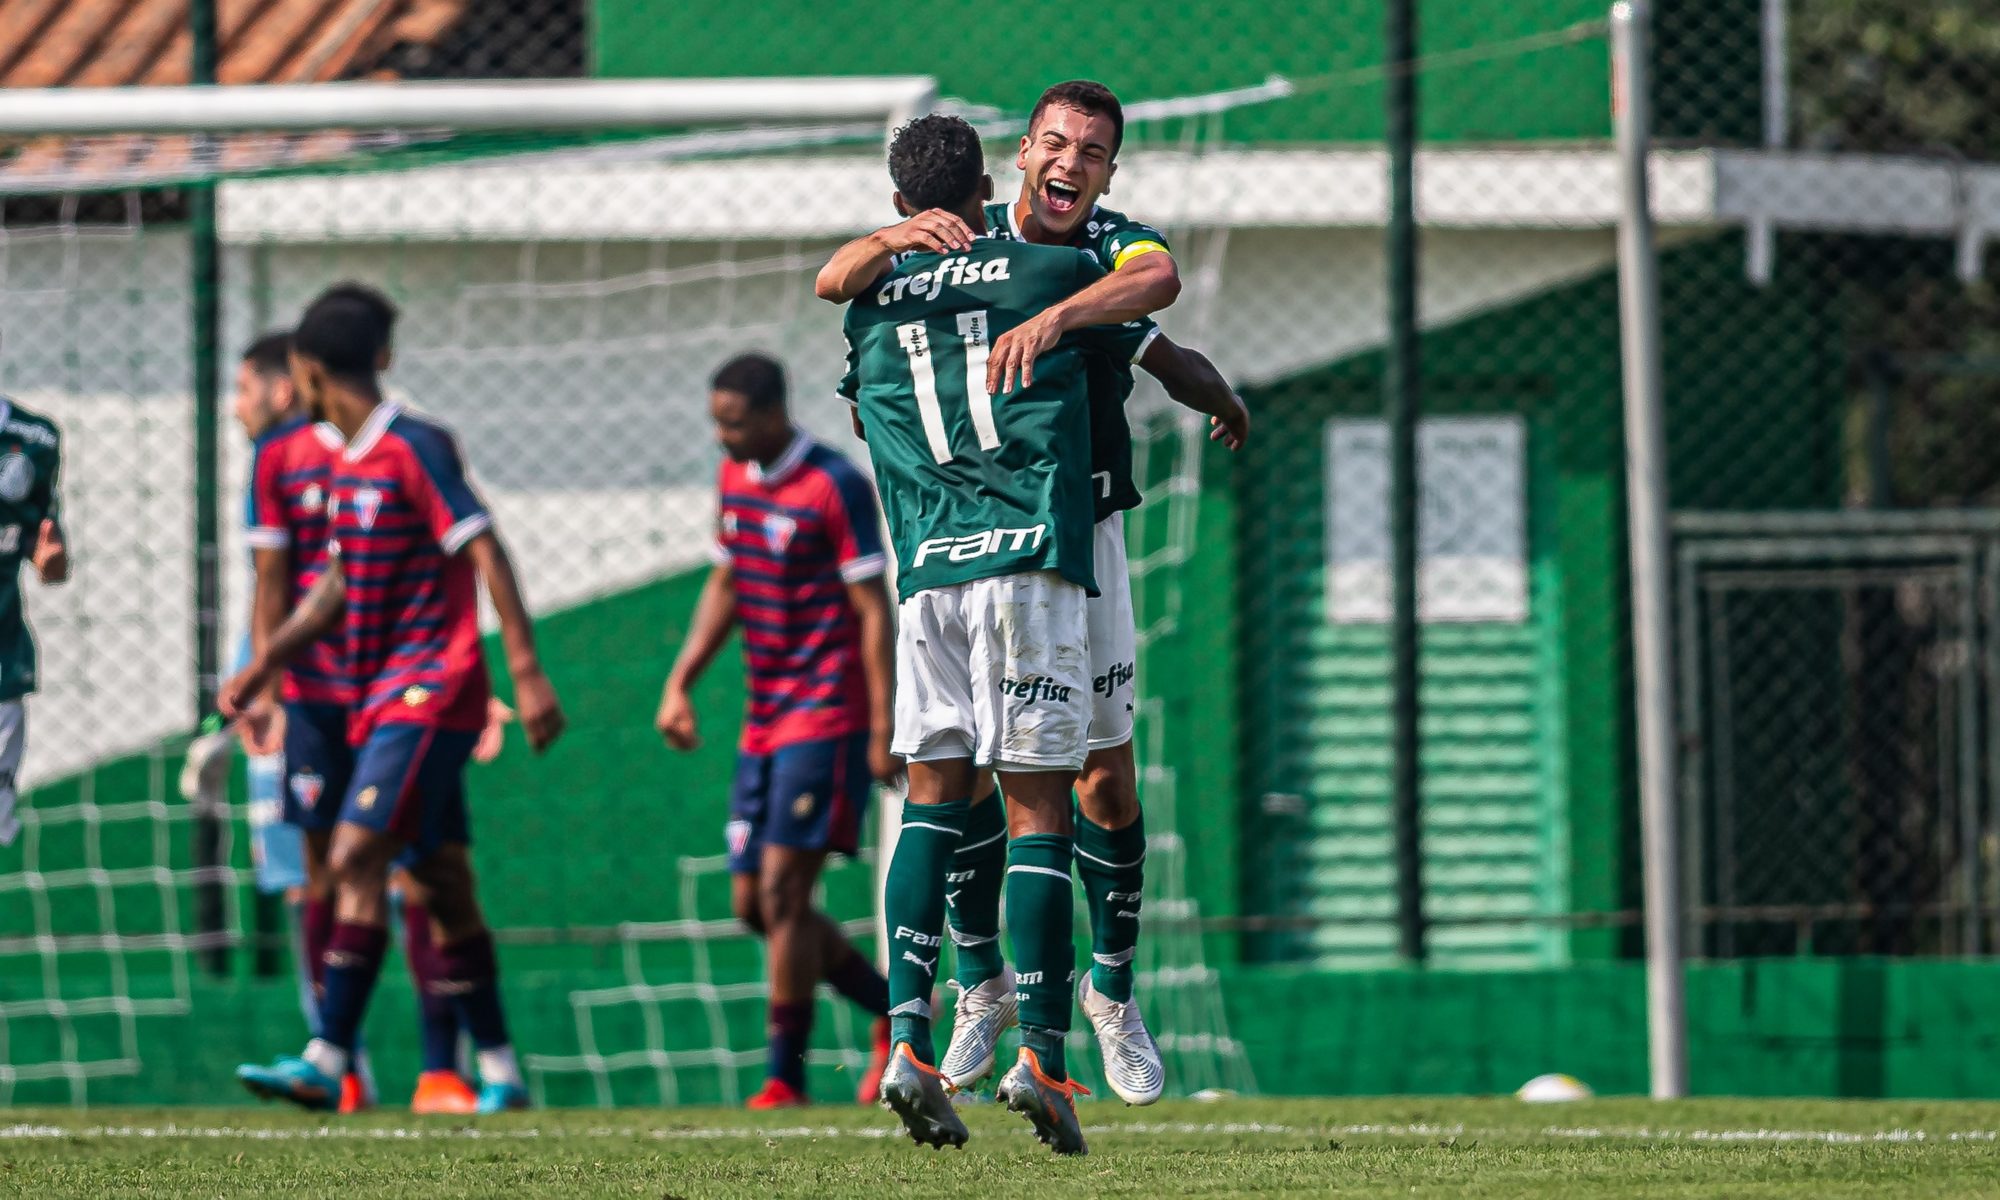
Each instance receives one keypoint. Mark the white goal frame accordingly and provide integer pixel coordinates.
(539, 104)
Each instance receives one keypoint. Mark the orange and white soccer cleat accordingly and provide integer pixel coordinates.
(443, 1092)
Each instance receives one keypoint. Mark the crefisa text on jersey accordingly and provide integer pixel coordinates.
(958, 272)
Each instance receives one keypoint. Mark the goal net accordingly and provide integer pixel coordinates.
(567, 285)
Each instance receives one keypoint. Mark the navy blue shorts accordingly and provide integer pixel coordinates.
(409, 782)
(805, 796)
(318, 765)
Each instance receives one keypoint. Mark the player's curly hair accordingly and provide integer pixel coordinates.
(384, 309)
(758, 378)
(346, 329)
(936, 162)
(1086, 96)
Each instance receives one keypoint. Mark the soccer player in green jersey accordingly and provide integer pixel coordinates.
(988, 500)
(31, 529)
(1068, 158)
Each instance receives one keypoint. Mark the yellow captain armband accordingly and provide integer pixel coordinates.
(1135, 250)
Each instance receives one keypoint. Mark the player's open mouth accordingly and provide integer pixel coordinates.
(1060, 197)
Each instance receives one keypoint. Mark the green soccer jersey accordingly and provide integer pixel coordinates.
(973, 485)
(30, 452)
(1113, 239)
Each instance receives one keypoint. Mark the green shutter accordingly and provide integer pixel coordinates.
(1489, 820)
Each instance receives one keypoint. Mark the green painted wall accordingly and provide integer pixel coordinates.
(1144, 50)
(1770, 1027)
(1553, 358)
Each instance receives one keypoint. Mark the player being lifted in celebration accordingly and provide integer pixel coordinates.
(1067, 160)
(988, 498)
(301, 722)
(409, 542)
(798, 563)
(30, 528)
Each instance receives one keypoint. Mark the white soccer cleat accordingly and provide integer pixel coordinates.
(984, 1013)
(1131, 1058)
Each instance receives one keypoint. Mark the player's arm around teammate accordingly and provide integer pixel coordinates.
(862, 261)
(1192, 380)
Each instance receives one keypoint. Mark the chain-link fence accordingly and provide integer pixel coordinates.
(1825, 177)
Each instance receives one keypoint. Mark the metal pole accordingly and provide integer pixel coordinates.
(204, 290)
(1647, 514)
(1401, 403)
(1777, 74)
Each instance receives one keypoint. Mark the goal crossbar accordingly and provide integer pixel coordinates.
(497, 105)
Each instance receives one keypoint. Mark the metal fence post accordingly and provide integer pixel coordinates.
(1646, 513)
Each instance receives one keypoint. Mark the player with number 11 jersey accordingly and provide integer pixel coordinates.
(989, 505)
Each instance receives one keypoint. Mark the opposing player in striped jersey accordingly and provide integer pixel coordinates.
(296, 734)
(31, 531)
(291, 465)
(1068, 158)
(798, 565)
(410, 542)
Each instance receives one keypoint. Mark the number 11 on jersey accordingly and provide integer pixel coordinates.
(973, 330)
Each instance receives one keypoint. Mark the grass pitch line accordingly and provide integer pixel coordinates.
(26, 1132)
(1832, 1137)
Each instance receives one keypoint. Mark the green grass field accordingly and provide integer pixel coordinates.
(1348, 1148)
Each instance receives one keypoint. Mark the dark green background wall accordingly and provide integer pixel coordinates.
(1005, 56)
(1496, 71)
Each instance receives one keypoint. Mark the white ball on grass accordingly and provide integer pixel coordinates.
(1553, 1089)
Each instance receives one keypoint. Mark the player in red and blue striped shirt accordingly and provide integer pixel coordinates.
(286, 527)
(410, 542)
(301, 722)
(798, 564)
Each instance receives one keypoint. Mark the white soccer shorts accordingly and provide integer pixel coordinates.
(1114, 639)
(997, 670)
(13, 739)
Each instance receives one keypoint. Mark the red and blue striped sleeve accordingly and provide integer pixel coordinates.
(443, 496)
(854, 524)
(264, 525)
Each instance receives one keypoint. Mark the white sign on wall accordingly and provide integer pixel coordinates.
(1472, 547)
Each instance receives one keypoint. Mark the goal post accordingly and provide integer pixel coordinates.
(548, 104)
